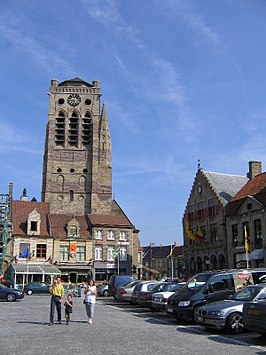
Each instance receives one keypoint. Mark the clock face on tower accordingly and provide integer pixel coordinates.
(73, 99)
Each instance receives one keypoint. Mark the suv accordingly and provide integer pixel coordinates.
(207, 287)
(118, 280)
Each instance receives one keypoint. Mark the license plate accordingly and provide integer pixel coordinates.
(170, 310)
(157, 299)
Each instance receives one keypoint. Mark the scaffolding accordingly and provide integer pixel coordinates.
(4, 228)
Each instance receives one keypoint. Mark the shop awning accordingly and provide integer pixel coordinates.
(26, 269)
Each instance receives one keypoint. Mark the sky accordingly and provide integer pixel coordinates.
(182, 80)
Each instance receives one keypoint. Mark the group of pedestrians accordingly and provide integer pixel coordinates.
(57, 296)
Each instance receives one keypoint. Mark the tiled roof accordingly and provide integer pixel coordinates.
(226, 186)
(252, 187)
(74, 80)
(159, 252)
(110, 221)
(59, 223)
(20, 211)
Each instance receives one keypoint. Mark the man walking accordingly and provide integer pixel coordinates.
(57, 292)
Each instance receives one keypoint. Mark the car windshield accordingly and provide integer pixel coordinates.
(197, 281)
(3, 286)
(158, 287)
(131, 284)
(248, 294)
(171, 287)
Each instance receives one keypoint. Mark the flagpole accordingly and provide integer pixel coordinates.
(246, 245)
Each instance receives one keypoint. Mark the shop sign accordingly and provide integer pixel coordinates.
(110, 266)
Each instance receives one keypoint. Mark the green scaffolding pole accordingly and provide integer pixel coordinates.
(4, 240)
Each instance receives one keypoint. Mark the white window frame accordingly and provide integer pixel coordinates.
(98, 252)
(99, 234)
(123, 236)
(111, 235)
(123, 253)
(110, 253)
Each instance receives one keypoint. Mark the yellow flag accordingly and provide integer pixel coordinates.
(171, 251)
(189, 232)
(246, 238)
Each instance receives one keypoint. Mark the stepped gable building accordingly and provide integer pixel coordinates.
(246, 211)
(89, 229)
(203, 220)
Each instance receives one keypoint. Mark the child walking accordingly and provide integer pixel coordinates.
(68, 308)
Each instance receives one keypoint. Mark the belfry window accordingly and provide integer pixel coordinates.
(60, 129)
(73, 130)
(86, 129)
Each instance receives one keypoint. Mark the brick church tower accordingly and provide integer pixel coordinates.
(77, 167)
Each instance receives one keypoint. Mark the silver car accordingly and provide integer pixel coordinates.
(227, 315)
(124, 293)
(159, 299)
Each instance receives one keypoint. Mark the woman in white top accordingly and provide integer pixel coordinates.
(90, 300)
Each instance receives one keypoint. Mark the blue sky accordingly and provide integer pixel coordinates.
(182, 81)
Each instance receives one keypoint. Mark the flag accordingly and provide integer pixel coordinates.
(199, 235)
(246, 238)
(189, 232)
(171, 251)
(25, 253)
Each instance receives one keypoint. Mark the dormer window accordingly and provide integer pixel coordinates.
(34, 223)
(73, 229)
(33, 226)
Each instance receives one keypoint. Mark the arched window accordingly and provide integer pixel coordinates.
(71, 195)
(73, 129)
(60, 129)
(213, 262)
(86, 129)
(60, 182)
(82, 182)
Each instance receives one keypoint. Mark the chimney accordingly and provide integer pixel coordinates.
(152, 245)
(24, 196)
(255, 168)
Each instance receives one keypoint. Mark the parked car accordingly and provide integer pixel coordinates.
(118, 280)
(254, 315)
(37, 287)
(10, 294)
(227, 315)
(209, 286)
(124, 293)
(103, 290)
(142, 293)
(159, 299)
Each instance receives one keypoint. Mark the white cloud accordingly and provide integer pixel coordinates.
(24, 43)
(185, 11)
(12, 141)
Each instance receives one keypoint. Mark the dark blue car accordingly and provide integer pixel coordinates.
(10, 294)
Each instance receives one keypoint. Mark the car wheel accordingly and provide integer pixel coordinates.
(194, 316)
(105, 293)
(11, 297)
(234, 323)
(29, 292)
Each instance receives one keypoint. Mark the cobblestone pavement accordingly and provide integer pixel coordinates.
(116, 329)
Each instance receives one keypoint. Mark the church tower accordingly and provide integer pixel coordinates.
(77, 166)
